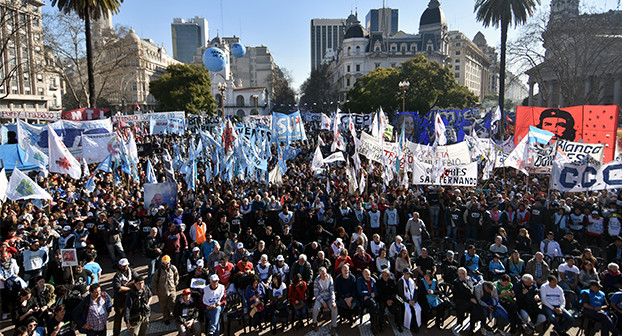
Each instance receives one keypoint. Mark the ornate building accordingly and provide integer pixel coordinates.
(28, 79)
(582, 63)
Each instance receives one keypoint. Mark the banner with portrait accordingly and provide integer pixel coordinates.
(458, 123)
(593, 124)
(157, 194)
(96, 147)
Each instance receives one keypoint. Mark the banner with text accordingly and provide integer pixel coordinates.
(572, 177)
(462, 176)
(287, 127)
(86, 114)
(542, 158)
(49, 116)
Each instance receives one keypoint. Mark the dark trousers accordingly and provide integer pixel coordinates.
(96, 333)
(606, 324)
(397, 309)
(512, 310)
(476, 311)
(372, 307)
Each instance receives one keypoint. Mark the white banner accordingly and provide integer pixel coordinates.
(572, 177)
(452, 155)
(542, 158)
(149, 116)
(50, 116)
(337, 156)
(465, 175)
(95, 148)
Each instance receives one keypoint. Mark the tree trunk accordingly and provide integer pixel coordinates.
(504, 40)
(89, 57)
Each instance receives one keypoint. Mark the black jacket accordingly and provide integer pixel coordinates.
(151, 244)
(117, 282)
(186, 311)
(463, 292)
(387, 290)
(137, 305)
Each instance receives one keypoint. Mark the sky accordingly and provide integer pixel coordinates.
(284, 25)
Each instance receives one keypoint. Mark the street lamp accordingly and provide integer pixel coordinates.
(222, 87)
(403, 87)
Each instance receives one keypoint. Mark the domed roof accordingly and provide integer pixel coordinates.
(132, 35)
(480, 39)
(216, 41)
(355, 31)
(433, 14)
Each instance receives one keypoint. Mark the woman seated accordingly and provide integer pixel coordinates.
(516, 266)
(402, 262)
(277, 301)
(255, 296)
(588, 274)
(433, 300)
(343, 259)
(298, 299)
(496, 267)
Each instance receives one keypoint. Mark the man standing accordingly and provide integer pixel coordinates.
(92, 312)
(391, 221)
(214, 300)
(153, 251)
(137, 308)
(414, 227)
(34, 259)
(122, 282)
(324, 291)
(164, 285)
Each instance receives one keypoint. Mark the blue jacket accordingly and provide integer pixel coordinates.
(362, 288)
(80, 313)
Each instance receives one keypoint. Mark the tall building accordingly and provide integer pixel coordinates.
(188, 35)
(326, 35)
(382, 20)
(28, 79)
(469, 64)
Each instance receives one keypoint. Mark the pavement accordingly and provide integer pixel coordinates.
(158, 328)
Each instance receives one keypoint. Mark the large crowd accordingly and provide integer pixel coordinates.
(509, 253)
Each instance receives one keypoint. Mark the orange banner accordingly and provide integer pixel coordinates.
(593, 124)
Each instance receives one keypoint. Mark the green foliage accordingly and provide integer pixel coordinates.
(430, 85)
(282, 93)
(317, 89)
(95, 8)
(184, 87)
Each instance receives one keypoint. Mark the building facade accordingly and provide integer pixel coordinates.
(326, 35)
(469, 64)
(30, 81)
(582, 64)
(382, 20)
(361, 51)
(187, 36)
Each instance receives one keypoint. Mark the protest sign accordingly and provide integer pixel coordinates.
(464, 176)
(69, 257)
(287, 127)
(572, 177)
(157, 194)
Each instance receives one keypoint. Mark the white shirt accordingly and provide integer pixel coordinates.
(568, 272)
(552, 297)
(213, 296)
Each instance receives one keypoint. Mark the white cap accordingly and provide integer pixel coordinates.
(213, 277)
(338, 240)
(280, 258)
(20, 227)
(195, 249)
(89, 214)
(161, 207)
(240, 245)
(124, 262)
(200, 263)
(67, 228)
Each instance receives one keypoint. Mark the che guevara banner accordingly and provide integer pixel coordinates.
(592, 124)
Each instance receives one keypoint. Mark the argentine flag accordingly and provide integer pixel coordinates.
(539, 136)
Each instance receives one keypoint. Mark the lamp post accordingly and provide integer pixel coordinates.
(403, 87)
(256, 99)
(222, 87)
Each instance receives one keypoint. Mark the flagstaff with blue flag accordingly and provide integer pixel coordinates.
(539, 136)
(151, 176)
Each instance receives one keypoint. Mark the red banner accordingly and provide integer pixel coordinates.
(593, 124)
(86, 114)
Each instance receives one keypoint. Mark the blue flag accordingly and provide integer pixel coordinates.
(290, 153)
(151, 176)
(208, 174)
(105, 165)
(90, 184)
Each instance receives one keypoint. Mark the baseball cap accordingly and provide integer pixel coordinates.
(65, 228)
(595, 212)
(280, 258)
(213, 277)
(338, 240)
(20, 227)
(200, 263)
(195, 249)
(240, 245)
(166, 259)
(124, 262)
(186, 291)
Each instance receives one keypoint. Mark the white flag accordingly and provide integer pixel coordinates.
(318, 159)
(439, 130)
(85, 171)
(325, 122)
(22, 187)
(519, 157)
(4, 184)
(496, 116)
(36, 157)
(275, 176)
(61, 160)
(338, 142)
(337, 156)
(131, 147)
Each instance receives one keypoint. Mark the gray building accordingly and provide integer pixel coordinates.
(382, 20)
(326, 34)
(188, 35)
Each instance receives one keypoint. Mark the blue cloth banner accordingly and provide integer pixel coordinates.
(287, 127)
(458, 123)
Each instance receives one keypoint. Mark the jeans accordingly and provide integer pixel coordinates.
(559, 326)
(347, 312)
(28, 275)
(214, 320)
(451, 232)
(538, 231)
(152, 267)
(471, 232)
(140, 328)
(333, 312)
(435, 216)
(116, 252)
(417, 242)
(606, 324)
(301, 313)
(391, 232)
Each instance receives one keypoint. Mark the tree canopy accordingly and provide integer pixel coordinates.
(430, 85)
(317, 90)
(184, 87)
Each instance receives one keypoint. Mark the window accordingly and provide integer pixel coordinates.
(349, 49)
(358, 67)
(457, 52)
(348, 68)
(457, 67)
(40, 91)
(457, 60)
(347, 81)
(358, 50)
(40, 78)
(457, 75)
(239, 101)
(457, 44)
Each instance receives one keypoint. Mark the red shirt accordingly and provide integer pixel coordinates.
(224, 273)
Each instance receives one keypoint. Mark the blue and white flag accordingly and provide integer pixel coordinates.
(22, 187)
(287, 127)
(539, 136)
(36, 157)
(191, 177)
(90, 183)
(105, 165)
(151, 176)
(208, 173)
(290, 153)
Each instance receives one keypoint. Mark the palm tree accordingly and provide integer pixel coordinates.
(89, 10)
(502, 13)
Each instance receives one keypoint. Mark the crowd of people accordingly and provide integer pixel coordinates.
(508, 249)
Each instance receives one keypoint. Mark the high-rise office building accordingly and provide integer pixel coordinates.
(325, 34)
(188, 36)
(382, 20)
